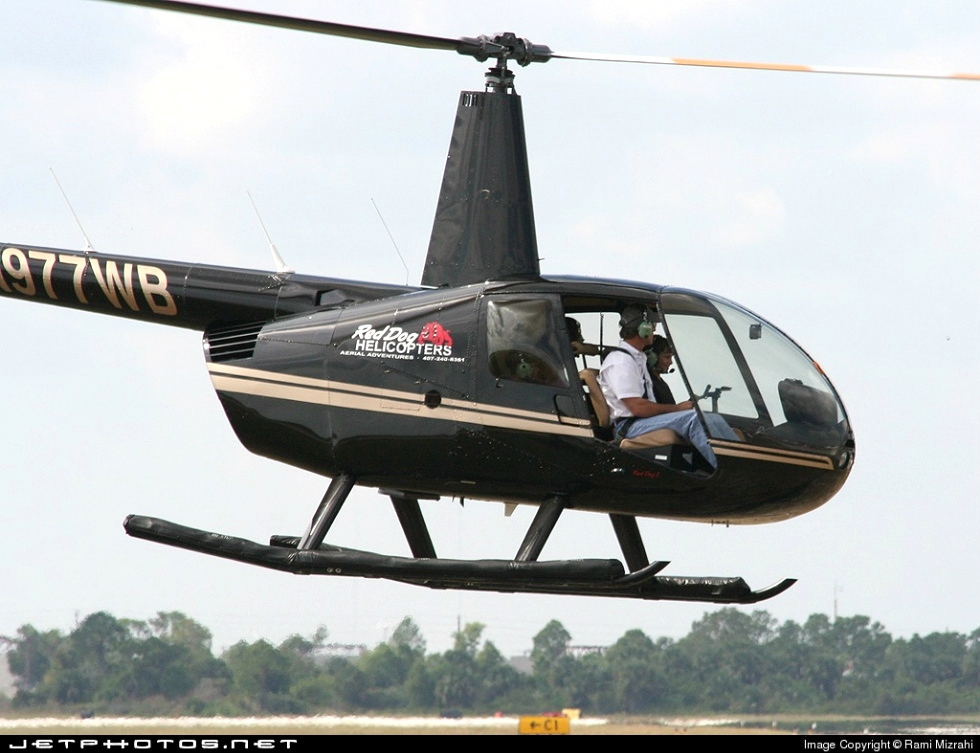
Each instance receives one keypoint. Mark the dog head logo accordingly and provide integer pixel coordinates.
(436, 334)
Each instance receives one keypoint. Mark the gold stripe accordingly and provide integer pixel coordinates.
(260, 383)
(342, 395)
(772, 455)
(384, 393)
(772, 450)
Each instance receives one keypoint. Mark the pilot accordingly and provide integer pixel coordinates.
(629, 390)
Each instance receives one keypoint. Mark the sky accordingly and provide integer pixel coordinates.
(842, 209)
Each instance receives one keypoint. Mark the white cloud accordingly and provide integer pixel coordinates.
(758, 216)
(891, 146)
(648, 15)
(191, 99)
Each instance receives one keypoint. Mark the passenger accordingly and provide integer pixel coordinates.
(629, 391)
(660, 359)
(579, 346)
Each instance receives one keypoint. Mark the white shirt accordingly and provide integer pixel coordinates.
(625, 375)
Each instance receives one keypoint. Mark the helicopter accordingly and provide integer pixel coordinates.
(371, 384)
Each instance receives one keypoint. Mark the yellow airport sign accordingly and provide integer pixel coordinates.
(544, 725)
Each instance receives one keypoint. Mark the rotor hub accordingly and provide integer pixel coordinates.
(504, 46)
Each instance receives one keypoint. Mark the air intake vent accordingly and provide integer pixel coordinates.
(233, 343)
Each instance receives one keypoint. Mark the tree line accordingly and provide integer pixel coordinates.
(730, 661)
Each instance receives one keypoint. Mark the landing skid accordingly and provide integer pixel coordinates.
(308, 555)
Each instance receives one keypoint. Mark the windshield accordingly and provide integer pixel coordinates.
(742, 367)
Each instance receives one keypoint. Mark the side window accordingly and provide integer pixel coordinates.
(523, 342)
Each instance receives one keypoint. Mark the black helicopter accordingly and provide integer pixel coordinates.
(468, 385)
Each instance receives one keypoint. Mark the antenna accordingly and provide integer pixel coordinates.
(281, 267)
(88, 244)
(397, 251)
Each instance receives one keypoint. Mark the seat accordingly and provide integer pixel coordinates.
(658, 438)
(590, 378)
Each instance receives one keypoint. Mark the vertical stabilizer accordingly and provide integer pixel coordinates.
(484, 224)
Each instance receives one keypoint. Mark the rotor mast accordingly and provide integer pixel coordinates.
(499, 78)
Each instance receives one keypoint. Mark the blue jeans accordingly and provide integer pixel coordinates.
(687, 425)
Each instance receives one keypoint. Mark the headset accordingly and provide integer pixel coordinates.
(639, 317)
(659, 346)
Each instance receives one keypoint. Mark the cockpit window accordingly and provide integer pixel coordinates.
(523, 342)
(710, 366)
(752, 373)
(776, 364)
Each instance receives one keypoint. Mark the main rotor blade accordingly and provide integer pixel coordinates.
(764, 66)
(507, 45)
(464, 46)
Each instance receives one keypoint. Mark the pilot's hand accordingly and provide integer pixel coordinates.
(686, 405)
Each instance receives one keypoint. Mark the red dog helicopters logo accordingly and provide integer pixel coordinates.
(432, 343)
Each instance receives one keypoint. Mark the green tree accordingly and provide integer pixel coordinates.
(31, 658)
(387, 667)
(350, 682)
(971, 662)
(455, 674)
(548, 646)
(585, 682)
(176, 656)
(848, 656)
(468, 639)
(159, 668)
(261, 673)
(420, 686)
(724, 660)
(178, 629)
(561, 678)
(800, 672)
(938, 657)
(304, 648)
(407, 638)
(95, 662)
(497, 679)
(637, 679)
(385, 672)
